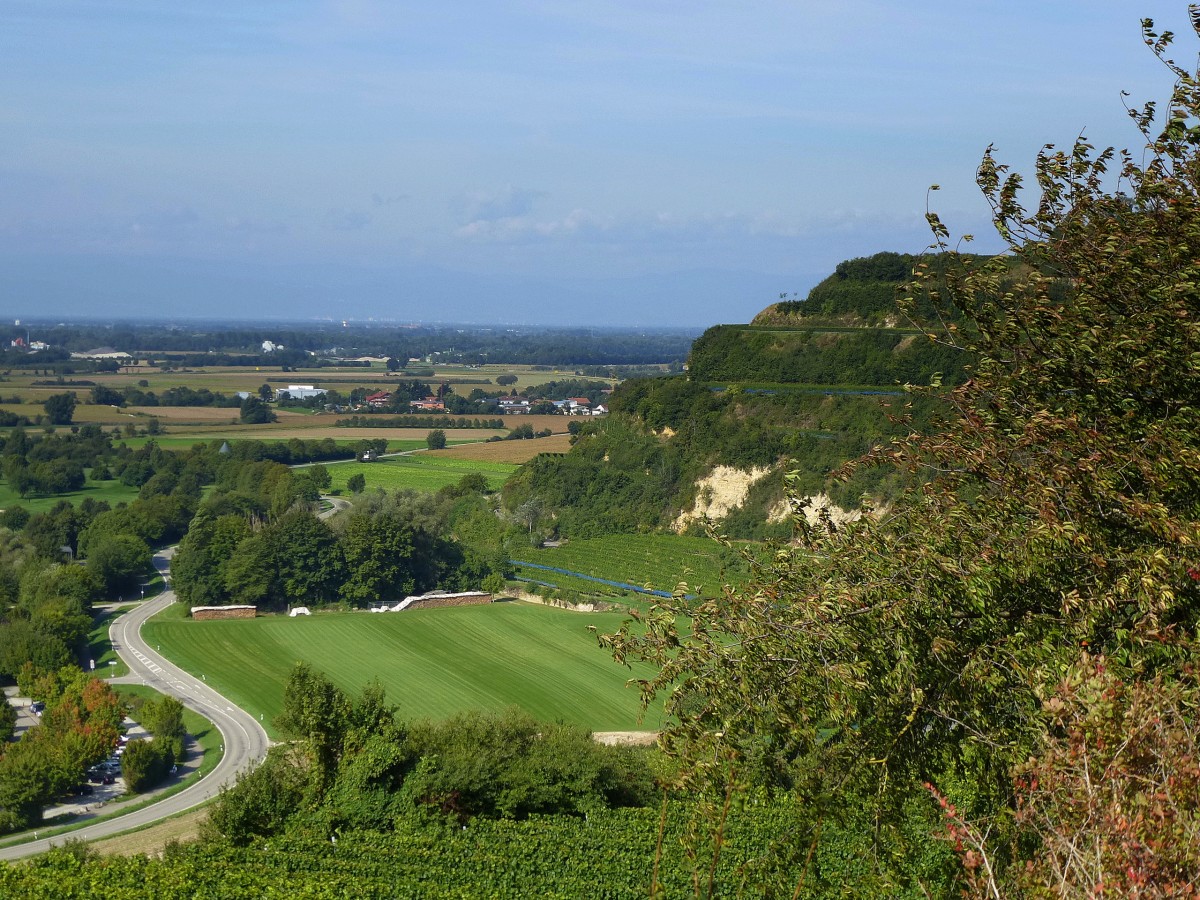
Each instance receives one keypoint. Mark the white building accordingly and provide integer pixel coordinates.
(300, 391)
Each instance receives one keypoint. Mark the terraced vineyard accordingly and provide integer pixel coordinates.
(610, 854)
(655, 561)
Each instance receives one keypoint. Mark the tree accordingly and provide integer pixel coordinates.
(315, 479)
(380, 551)
(393, 364)
(198, 567)
(255, 412)
(1058, 509)
(120, 560)
(8, 720)
(250, 574)
(308, 557)
(163, 718)
(436, 439)
(506, 380)
(356, 483)
(106, 396)
(60, 408)
(145, 763)
(316, 711)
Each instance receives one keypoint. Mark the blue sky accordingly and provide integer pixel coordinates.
(566, 161)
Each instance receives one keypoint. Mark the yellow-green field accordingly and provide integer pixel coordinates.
(419, 472)
(433, 663)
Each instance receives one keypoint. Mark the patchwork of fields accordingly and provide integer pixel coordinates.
(433, 663)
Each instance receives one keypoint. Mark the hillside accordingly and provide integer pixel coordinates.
(806, 387)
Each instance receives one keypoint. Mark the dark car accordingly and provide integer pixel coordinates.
(37, 707)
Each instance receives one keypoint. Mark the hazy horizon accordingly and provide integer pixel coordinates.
(551, 163)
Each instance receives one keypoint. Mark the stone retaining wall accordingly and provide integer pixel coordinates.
(203, 613)
(437, 601)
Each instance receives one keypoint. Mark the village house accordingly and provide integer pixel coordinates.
(429, 404)
(514, 405)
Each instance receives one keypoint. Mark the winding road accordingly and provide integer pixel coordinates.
(243, 737)
(244, 740)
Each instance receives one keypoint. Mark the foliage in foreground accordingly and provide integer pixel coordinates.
(354, 765)
(1060, 513)
(612, 854)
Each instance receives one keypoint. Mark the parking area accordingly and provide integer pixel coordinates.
(103, 782)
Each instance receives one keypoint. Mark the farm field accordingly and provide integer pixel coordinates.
(433, 663)
(420, 472)
(231, 379)
(515, 452)
(657, 561)
(179, 442)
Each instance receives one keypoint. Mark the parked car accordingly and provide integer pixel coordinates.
(37, 707)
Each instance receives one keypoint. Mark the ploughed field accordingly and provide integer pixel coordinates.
(433, 663)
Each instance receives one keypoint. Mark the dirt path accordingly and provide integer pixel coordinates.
(151, 841)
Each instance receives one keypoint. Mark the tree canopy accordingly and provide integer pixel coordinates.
(1054, 520)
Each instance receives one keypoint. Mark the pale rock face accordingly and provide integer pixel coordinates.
(812, 511)
(722, 490)
(725, 488)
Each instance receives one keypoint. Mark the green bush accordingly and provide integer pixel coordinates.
(146, 763)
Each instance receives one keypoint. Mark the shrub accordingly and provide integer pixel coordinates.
(145, 764)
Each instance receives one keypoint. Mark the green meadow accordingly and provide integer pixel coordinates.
(433, 663)
(112, 491)
(419, 472)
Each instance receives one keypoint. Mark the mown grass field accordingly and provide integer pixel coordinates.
(113, 491)
(657, 561)
(419, 472)
(433, 663)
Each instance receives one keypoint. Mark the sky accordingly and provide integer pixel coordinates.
(645, 164)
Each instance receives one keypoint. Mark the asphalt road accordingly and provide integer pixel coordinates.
(244, 741)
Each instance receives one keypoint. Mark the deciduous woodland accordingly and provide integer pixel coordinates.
(945, 643)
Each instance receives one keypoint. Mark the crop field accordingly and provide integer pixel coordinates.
(420, 472)
(657, 561)
(433, 663)
(231, 379)
(515, 452)
(183, 442)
